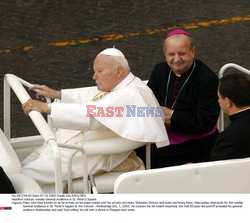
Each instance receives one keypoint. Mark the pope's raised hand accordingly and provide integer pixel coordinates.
(46, 91)
(35, 105)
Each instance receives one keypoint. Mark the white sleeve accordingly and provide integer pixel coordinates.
(78, 95)
(69, 116)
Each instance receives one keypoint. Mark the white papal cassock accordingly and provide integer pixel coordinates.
(135, 116)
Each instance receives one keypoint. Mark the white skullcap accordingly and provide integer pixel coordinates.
(112, 52)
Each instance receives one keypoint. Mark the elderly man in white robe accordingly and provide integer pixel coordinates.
(121, 105)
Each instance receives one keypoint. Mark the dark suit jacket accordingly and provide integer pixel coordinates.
(234, 142)
(6, 186)
(196, 109)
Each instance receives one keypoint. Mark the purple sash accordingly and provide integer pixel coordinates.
(177, 138)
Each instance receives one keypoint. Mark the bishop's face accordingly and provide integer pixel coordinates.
(105, 73)
(179, 54)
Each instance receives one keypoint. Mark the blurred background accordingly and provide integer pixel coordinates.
(54, 42)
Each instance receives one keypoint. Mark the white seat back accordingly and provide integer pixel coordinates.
(25, 184)
(229, 176)
(11, 164)
(9, 160)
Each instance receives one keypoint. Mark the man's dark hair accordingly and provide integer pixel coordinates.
(236, 87)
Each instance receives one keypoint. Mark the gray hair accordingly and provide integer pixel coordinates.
(122, 61)
(117, 56)
(189, 38)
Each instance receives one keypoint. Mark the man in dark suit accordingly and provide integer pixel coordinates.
(186, 88)
(234, 100)
(6, 186)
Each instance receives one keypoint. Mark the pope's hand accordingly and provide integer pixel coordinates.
(167, 114)
(46, 91)
(35, 105)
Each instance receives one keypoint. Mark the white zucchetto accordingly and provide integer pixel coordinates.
(112, 52)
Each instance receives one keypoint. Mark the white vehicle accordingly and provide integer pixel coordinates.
(230, 176)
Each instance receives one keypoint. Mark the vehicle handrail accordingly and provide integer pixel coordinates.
(234, 66)
(16, 84)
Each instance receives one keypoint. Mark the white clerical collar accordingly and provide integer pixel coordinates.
(127, 80)
(241, 110)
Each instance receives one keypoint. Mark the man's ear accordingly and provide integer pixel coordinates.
(120, 71)
(228, 103)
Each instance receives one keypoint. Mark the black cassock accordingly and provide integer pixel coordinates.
(193, 97)
(234, 141)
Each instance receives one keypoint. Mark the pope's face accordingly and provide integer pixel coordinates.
(179, 54)
(105, 73)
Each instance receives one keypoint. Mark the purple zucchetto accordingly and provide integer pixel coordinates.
(177, 31)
